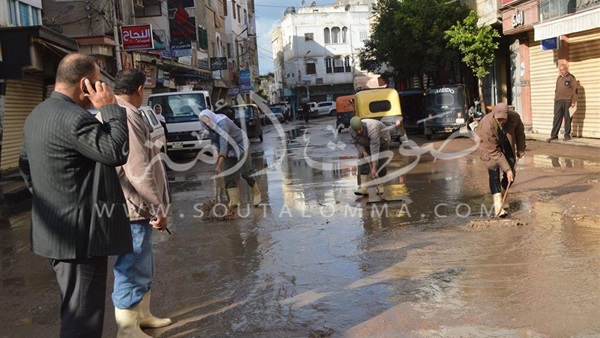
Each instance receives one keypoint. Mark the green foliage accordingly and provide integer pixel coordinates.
(476, 43)
(409, 36)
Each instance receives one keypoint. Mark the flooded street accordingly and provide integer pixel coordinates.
(316, 261)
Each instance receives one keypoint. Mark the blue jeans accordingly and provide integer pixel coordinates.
(134, 271)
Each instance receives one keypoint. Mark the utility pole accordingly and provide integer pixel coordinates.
(116, 37)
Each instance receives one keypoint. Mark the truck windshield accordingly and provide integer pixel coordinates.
(180, 107)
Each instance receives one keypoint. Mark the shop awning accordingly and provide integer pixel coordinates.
(570, 24)
(15, 43)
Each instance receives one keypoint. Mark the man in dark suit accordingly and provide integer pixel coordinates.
(78, 214)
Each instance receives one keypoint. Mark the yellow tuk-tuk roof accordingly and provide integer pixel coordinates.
(376, 103)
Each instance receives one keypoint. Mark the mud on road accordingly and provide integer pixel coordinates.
(315, 261)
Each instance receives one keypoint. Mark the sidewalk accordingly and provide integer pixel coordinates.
(575, 141)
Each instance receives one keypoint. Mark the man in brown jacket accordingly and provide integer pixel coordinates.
(501, 133)
(144, 184)
(565, 96)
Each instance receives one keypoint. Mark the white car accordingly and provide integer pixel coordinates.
(326, 108)
(157, 132)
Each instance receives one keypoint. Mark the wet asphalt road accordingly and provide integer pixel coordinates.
(315, 261)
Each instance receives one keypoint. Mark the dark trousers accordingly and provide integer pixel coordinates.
(365, 169)
(561, 110)
(245, 171)
(497, 184)
(82, 284)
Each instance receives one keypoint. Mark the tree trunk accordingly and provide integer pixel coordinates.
(481, 100)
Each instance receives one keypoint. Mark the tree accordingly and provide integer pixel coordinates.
(477, 46)
(409, 36)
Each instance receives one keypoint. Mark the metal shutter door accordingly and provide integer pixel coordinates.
(584, 64)
(543, 74)
(21, 97)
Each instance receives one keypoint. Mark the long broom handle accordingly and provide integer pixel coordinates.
(508, 187)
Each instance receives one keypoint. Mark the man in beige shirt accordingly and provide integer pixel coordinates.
(144, 184)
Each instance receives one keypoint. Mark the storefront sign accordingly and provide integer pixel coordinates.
(550, 44)
(218, 63)
(518, 19)
(136, 37)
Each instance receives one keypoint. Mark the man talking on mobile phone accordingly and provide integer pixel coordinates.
(68, 162)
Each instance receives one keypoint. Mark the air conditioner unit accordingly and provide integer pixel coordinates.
(138, 3)
(251, 31)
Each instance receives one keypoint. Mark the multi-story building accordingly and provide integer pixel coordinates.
(242, 50)
(544, 34)
(315, 51)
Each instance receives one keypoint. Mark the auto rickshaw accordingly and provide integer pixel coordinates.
(344, 111)
(446, 109)
(381, 104)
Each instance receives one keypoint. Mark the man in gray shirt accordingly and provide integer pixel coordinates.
(370, 138)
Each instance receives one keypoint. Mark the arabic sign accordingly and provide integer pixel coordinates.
(136, 37)
(233, 91)
(247, 88)
(160, 39)
(218, 63)
(182, 26)
(245, 77)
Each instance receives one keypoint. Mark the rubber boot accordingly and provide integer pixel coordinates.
(234, 197)
(256, 196)
(362, 188)
(499, 211)
(146, 319)
(127, 323)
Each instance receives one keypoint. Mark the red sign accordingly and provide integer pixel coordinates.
(136, 37)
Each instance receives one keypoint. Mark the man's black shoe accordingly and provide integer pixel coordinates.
(567, 137)
(550, 139)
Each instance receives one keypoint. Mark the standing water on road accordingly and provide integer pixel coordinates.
(316, 261)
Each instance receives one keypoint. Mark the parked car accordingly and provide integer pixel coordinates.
(247, 117)
(157, 132)
(382, 104)
(314, 110)
(286, 109)
(326, 108)
(345, 111)
(446, 109)
(276, 113)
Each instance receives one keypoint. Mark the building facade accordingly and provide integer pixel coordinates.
(315, 51)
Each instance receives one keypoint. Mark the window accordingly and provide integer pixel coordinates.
(363, 35)
(335, 35)
(311, 68)
(328, 65)
(245, 17)
(309, 36)
(233, 8)
(35, 16)
(348, 66)
(238, 13)
(338, 64)
(12, 13)
(326, 35)
(229, 54)
(344, 34)
(24, 14)
(151, 8)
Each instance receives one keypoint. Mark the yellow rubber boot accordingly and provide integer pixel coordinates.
(362, 188)
(127, 323)
(234, 197)
(256, 196)
(500, 212)
(146, 318)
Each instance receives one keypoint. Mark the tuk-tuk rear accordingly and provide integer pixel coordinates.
(381, 104)
(445, 109)
(344, 111)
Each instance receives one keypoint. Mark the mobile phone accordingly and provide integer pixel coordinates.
(85, 90)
